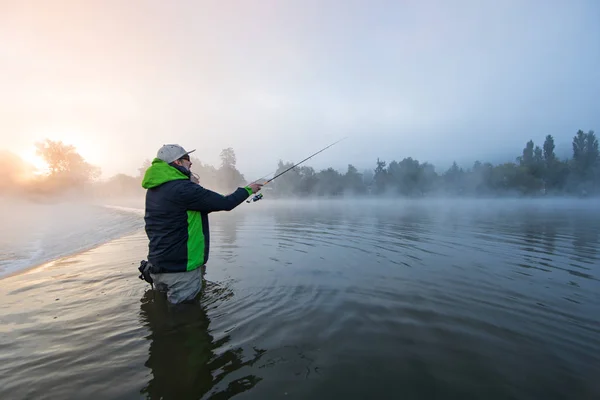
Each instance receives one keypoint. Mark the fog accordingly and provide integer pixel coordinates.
(33, 233)
(40, 230)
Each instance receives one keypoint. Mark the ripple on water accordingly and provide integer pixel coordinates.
(354, 302)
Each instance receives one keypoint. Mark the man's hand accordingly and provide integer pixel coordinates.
(255, 187)
(194, 179)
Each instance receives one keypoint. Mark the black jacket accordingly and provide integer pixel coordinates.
(177, 217)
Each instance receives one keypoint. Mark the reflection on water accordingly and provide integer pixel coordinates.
(184, 359)
(427, 300)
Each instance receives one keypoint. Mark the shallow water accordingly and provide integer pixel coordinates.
(414, 300)
(31, 234)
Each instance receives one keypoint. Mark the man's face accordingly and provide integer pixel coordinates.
(184, 162)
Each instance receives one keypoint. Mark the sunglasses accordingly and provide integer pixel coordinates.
(186, 157)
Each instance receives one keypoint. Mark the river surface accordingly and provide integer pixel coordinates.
(321, 300)
(31, 234)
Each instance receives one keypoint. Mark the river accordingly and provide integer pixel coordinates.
(390, 299)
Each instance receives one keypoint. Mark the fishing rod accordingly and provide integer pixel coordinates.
(259, 196)
(293, 166)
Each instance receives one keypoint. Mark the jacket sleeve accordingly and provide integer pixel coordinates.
(197, 198)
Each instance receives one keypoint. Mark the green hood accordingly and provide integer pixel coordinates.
(159, 173)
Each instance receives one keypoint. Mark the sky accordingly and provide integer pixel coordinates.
(433, 80)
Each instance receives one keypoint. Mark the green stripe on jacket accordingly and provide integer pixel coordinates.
(195, 243)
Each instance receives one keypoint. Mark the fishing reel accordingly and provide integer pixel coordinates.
(257, 197)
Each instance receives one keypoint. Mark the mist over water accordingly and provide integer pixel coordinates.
(423, 299)
(34, 233)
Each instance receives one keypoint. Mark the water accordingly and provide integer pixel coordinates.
(389, 299)
(32, 234)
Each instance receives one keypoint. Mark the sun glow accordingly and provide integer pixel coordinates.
(75, 139)
(38, 165)
(30, 157)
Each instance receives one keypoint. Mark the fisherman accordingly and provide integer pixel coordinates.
(176, 217)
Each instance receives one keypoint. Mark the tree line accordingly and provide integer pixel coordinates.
(536, 172)
(68, 172)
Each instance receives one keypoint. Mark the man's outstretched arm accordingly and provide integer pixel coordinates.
(198, 198)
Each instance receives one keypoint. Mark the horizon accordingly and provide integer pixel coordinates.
(40, 167)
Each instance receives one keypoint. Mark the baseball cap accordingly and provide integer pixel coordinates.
(171, 152)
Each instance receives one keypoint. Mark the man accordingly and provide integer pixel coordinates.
(176, 217)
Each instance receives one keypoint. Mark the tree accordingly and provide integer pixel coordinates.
(479, 180)
(289, 183)
(228, 159)
(584, 163)
(550, 164)
(380, 177)
(353, 181)
(537, 166)
(526, 159)
(529, 175)
(454, 179)
(229, 176)
(591, 148)
(427, 178)
(65, 163)
(405, 176)
(208, 175)
(549, 155)
(307, 181)
(579, 152)
(330, 182)
(537, 170)
(592, 168)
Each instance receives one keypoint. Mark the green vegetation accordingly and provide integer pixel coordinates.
(536, 172)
